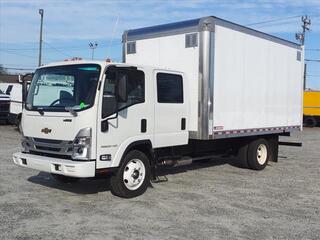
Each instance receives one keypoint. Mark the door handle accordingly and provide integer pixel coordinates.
(183, 123)
(143, 125)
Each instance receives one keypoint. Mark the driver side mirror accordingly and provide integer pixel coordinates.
(25, 82)
(122, 93)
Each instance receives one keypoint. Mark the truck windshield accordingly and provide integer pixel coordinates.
(63, 87)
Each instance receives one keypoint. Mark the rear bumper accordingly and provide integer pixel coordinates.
(70, 168)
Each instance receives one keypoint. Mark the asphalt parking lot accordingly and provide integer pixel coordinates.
(205, 200)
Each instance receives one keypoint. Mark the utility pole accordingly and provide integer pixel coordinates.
(40, 42)
(93, 46)
(301, 36)
(306, 22)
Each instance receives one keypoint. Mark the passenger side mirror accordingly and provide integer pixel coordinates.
(122, 93)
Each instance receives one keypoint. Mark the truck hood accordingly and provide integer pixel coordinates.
(57, 126)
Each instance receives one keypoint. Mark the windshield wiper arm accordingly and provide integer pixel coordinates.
(72, 111)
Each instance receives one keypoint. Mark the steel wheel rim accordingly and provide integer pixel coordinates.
(262, 154)
(134, 174)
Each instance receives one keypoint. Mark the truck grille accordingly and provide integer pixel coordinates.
(4, 106)
(43, 146)
(4, 109)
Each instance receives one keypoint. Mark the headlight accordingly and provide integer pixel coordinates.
(25, 145)
(82, 145)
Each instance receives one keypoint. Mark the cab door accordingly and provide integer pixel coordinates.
(171, 109)
(122, 120)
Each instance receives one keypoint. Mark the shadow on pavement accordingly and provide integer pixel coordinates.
(84, 186)
(207, 163)
(102, 184)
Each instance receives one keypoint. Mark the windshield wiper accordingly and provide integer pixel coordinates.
(72, 111)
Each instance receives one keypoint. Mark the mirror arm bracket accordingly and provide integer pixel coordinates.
(106, 121)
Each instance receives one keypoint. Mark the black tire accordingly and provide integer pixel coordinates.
(242, 156)
(64, 179)
(310, 122)
(117, 181)
(255, 161)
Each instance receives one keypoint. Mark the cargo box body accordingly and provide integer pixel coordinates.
(241, 81)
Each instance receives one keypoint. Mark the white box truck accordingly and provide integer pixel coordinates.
(213, 87)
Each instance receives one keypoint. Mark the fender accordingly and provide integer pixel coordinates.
(135, 145)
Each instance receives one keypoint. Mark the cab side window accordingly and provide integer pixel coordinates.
(169, 88)
(135, 87)
(135, 80)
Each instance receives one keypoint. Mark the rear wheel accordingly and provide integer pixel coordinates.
(64, 179)
(133, 176)
(259, 153)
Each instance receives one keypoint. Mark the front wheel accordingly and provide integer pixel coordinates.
(133, 176)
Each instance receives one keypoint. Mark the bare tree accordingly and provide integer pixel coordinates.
(3, 70)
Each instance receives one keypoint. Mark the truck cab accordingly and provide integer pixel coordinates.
(83, 118)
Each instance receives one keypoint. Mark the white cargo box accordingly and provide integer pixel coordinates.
(242, 81)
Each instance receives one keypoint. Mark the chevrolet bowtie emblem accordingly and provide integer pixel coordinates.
(46, 130)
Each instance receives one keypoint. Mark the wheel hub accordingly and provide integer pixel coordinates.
(134, 174)
(262, 154)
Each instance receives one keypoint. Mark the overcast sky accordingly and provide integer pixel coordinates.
(69, 25)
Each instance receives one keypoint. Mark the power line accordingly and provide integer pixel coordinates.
(29, 69)
(273, 20)
(313, 75)
(17, 65)
(84, 47)
(275, 24)
(23, 55)
(312, 60)
(36, 49)
(57, 50)
(18, 54)
(313, 49)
